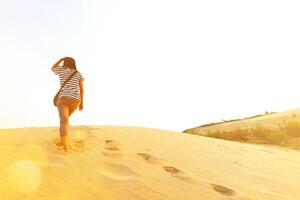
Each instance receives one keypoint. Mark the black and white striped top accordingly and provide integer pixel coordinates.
(71, 89)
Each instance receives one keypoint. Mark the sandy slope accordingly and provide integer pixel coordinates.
(140, 163)
(273, 121)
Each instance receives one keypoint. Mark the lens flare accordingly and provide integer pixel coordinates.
(24, 176)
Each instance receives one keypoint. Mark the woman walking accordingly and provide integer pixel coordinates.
(70, 96)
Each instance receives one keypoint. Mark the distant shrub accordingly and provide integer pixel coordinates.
(259, 134)
(278, 137)
(214, 134)
(266, 112)
(292, 128)
(238, 135)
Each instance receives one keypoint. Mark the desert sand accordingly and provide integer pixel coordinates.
(119, 163)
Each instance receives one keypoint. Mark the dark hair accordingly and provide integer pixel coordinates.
(69, 63)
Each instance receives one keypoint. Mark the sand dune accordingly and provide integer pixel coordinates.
(133, 163)
(272, 121)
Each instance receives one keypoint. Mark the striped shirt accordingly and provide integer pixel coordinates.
(71, 89)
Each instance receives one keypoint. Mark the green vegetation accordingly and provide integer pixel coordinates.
(285, 135)
(292, 128)
(234, 120)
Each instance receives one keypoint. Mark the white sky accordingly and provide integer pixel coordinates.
(170, 64)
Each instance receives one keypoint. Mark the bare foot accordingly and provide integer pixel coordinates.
(64, 142)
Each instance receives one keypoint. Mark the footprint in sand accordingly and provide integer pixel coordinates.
(178, 174)
(223, 190)
(78, 143)
(111, 149)
(75, 145)
(115, 171)
(57, 142)
(149, 158)
(112, 143)
(89, 133)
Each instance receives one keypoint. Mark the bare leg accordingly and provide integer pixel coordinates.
(73, 106)
(63, 110)
(66, 106)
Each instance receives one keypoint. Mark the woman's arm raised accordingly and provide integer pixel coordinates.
(54, 67)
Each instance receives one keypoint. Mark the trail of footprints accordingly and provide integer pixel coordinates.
(113, 146)
(112, 149)
(59, 146)
(76, 144)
